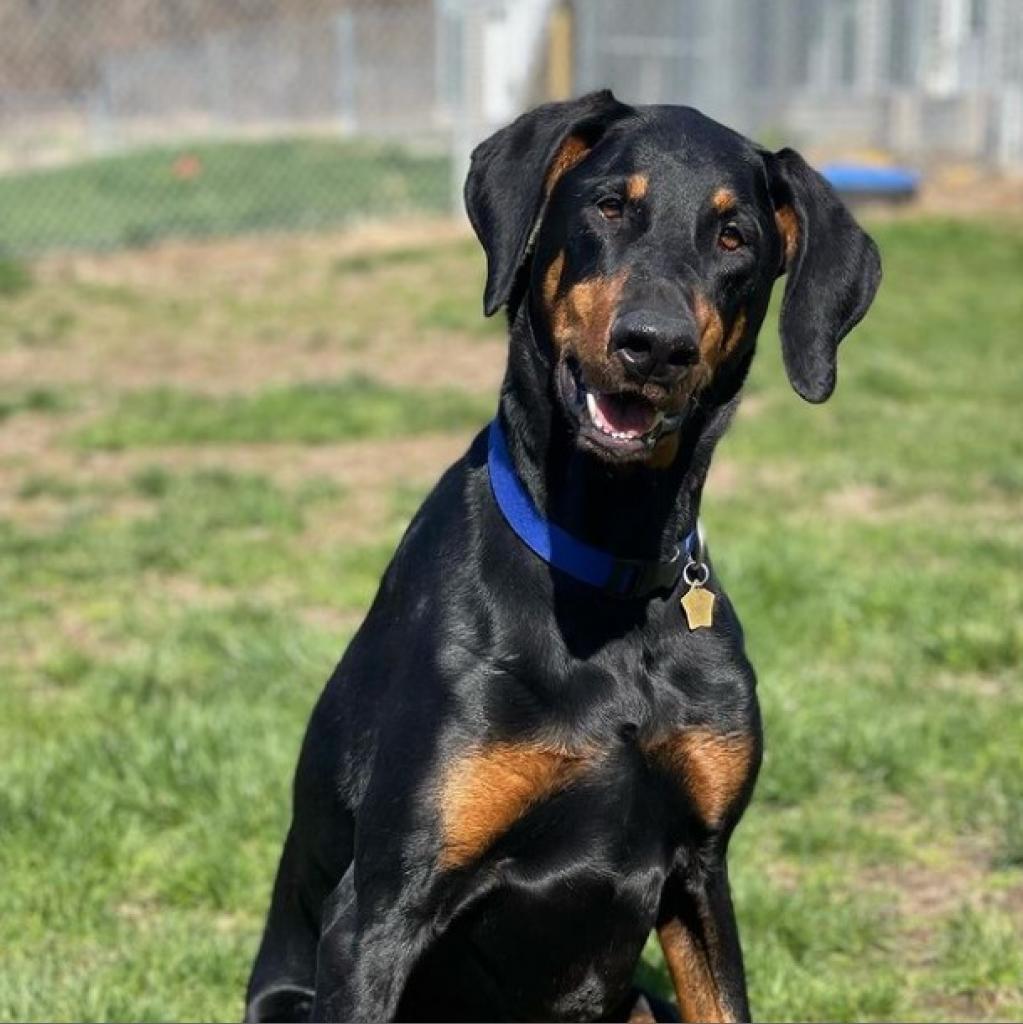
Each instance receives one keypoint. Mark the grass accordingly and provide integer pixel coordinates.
(34, 399)
(350, 409)
(182, 563)
(15, 277)
(209, 189)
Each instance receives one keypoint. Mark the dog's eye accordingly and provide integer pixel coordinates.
(611, 208)
(730, 238)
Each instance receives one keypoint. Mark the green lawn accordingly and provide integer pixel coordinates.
(209, 189)
(204, 468)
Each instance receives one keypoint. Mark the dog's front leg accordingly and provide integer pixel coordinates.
(370, 946)
(698, 934)
(364, 959)
(337, 955)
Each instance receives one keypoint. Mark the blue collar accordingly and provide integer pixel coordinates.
(619, 577)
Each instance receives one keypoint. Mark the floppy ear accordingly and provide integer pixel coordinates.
(832, 267)
(514, 171)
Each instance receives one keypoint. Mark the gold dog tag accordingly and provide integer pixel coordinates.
(698, 604)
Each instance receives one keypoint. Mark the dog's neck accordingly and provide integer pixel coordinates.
(630, 511)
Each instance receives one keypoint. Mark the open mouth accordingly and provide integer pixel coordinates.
(623, 423)
(622, 417)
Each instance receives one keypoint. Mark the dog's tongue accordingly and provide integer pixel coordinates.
(625, 414)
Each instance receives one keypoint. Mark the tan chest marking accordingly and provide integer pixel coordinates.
(485, 791)
(712, 767)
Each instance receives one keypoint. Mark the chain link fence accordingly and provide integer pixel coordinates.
(125, 121)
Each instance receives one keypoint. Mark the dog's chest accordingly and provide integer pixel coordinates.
(632, 773)
(654, 733)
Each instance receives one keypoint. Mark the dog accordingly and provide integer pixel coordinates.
(535, 749)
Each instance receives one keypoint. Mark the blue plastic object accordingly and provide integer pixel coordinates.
(864, 179)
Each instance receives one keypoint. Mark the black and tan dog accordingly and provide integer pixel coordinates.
(531, 755)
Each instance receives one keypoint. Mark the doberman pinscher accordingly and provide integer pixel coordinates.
(536, 747)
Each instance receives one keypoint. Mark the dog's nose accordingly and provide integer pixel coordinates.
(653, 346)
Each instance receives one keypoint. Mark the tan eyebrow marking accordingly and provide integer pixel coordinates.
(723, 200)
(637, 186)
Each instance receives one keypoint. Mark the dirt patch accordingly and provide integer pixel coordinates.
(173, 264)
(370, 472)
(962, 1008)
(926, 897)
(331, 620)
(727, 477)
(431, 362)
(855, 502)
(960, 191)
(977, 683)
(27, 434)
(752, 406)
(356, 464)
(241, 315)
(868, 503)
(35, 644)
(926, 893)
(361, 467)
(937, 880)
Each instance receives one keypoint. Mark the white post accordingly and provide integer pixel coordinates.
(469, 116)
(347, 71)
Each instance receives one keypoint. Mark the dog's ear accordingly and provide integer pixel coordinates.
(832, 267)
(514, 171)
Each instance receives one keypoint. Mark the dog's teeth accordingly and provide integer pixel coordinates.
(600, 421)
(596, 415)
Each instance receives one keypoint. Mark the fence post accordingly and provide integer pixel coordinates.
(1009, 154)
(559, 53)
(219, 81)
(469, 123)
(101, 131)
(347, 71)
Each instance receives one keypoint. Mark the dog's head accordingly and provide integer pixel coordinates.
(648, 240)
